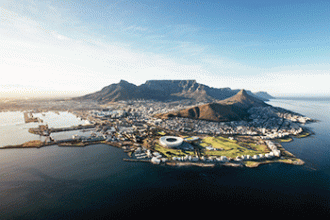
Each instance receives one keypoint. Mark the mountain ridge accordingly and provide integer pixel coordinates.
(234, 108)
(162, 90)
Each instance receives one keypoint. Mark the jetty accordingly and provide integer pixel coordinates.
(79, 127)
(28, 117)
(45, 131)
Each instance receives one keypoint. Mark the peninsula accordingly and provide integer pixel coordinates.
(180, 123)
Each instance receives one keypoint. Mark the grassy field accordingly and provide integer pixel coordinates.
(29, 144)
(231, 148)
(169, 153)
(285, 140)
(305, 134)
(294, 161)
(36, 143)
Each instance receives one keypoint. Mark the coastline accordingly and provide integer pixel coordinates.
(287, 157)
(130, 147)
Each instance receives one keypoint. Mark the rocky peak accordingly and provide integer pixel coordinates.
(166, 90)
(125, 84)
(242, 93)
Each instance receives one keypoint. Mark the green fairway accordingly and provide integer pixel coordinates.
(231, 148)
(285, 140)
(169, 153)
(162, 133)
(305, 134)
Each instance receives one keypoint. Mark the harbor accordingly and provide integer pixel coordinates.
(28, 118)
(141, 140)
(22, 129)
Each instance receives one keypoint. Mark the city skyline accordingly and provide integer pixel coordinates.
(76, 47)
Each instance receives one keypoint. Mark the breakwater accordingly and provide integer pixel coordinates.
(79, 127)
(45, 131)
(28, 117)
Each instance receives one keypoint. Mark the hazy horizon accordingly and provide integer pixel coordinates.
(78, 47)
(21, 92)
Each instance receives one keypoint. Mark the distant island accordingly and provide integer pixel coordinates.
(178, 123)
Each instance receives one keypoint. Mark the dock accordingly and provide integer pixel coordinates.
(45, 131)
(136, 160)
(28, 117)
(79, 127)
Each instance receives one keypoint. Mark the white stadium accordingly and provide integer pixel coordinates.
(170, 141)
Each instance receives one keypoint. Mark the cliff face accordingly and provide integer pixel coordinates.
(161, 90)
(234, 108)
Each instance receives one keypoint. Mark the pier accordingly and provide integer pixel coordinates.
(28, 117)
(45, 131)
(79, 127)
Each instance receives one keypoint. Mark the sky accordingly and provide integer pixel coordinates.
(55, 47)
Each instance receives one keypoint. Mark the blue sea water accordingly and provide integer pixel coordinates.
(95, 183)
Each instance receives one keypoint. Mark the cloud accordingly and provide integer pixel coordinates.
(37, 55)
(61, 52)
(135, 28)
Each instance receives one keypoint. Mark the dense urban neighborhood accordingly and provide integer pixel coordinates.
(132, 126)
(241, 130)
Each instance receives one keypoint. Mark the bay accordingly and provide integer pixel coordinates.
(13, 129)
(94, 182)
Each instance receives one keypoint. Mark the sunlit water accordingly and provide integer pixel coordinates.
(94, 182)
(314, 150)
(13, 129)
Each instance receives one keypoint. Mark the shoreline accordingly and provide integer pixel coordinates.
(291, 159)
(130, 147)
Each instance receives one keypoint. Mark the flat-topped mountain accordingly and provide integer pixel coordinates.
(161, 90)
(234, 108)
(123, 91)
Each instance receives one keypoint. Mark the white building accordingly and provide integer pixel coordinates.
(224, 159)
(171, 141)
(277, 153)
(155, 160)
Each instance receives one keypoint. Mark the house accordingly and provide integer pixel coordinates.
(195, 159)
(149, 154)
(244, 157)
(224, 159)
(155, 160)
(277, 153)
(261, 156)
(193, 139)
(269, 155)
(238, 158)
(156, 154)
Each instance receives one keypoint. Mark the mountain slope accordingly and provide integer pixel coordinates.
(243, 100)
(263, 95)
(161, 90)
(210, 112)
(232, 109)
(123, 91)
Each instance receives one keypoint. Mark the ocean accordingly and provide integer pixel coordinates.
(13, 129)
(94, 182)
